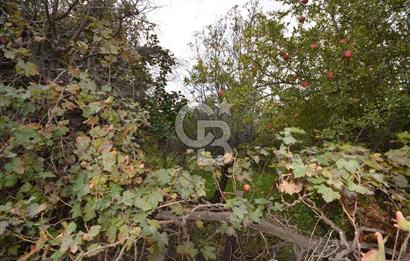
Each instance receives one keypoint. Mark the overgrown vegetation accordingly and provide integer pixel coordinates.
(91, 167)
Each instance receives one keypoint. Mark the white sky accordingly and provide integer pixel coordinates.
(178, 20)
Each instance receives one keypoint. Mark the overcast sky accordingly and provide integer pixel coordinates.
(178, 20)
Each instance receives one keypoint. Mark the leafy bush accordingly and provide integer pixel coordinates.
(84, 114)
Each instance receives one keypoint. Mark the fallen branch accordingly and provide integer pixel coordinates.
(270, 227)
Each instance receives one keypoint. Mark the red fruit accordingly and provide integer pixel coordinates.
(246, 187)
(221, 93)
(302, 19)
(330, 76)
(305, 84)
(285, 56)
(304, 1)
(314, 46)
(343, 41)
(347, 54)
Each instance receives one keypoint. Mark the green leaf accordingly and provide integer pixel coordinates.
(239, 210)
(94, 249)
(349, 165)
(113, 229)
(401, 181)
(297, 130)
(178, 209)
(142, 203)
(106, 88)
(109, 48)
(89, 210)
(404, 137)
(128, 198)
(358, 188)
(57, 255)
(154, 198)
(25, 188)
(289, 140)
(372, 163)
(399, 157)
(16, 165)
(328, 194)
(9, 54)
(163, 177)
(208, 252)
(94, 107)
(299, 169)
(3, 227)
(81, 187)
(255, 215)
(34, 209)
(109, 160)
(71, 227)
(26, 68)
(10, 180)
(46, 174)
(87, 83)
(352, 166)
(278, 207)
(187, 249)
(26, 136)
(76, 210)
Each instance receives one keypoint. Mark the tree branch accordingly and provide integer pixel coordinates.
(68, 11)
(269, 227)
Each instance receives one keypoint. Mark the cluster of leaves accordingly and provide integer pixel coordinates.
(329, 172)
(65, 189)
(335, 169)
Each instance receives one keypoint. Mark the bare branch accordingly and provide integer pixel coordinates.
(68, 11)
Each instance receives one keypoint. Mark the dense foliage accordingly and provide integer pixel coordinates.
(288, 66)
(90, 164)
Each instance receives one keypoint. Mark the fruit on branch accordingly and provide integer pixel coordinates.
(246, 187)
(330, 76)
(221, 93)
(305, 84)
(285, 56)
(347, 54)
(314, 46)
(304, 2)
(302, 19)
